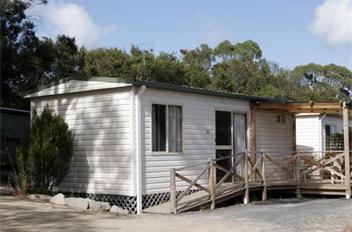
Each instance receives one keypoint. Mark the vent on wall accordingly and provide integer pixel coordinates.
(281, 119)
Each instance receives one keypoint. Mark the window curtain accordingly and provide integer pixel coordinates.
(240, 143)
(175, 128)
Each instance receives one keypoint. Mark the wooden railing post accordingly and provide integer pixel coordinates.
(298, 176)
(347, 151)
(212, 184)
(265, 187)
(173, 195)
(246, 194)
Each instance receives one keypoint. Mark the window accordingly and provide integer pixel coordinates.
(327, 137)
(166, 128)
(159, 127)
(223, 128)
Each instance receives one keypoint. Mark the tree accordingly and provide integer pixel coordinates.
(238, 64)
(66, 60)
(198, 64)
(45, 157)
(326, 82)
(166, 68)
(107, 63)
(247, 51)
(19, 55)
(27, 61)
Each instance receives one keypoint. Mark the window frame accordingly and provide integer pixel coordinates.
(167, 152)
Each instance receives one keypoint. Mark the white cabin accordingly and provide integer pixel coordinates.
(314, 129)
(128, 134)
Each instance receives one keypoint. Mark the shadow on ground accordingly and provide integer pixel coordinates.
(35, 216)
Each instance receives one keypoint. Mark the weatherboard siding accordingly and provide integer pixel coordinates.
(101, 123)
(274, 139)
(198, 135)
(308, 132)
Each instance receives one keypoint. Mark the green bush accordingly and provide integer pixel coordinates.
(45, 157)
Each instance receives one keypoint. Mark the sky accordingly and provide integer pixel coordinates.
(289, 32)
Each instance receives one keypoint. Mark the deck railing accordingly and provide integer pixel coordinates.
(249, 170)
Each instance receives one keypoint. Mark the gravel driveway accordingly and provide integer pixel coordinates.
(284, 215)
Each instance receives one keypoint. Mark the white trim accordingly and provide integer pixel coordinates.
(139, 144)
(76, 86)
(133, 140)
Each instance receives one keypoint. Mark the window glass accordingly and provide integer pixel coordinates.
(159, 127)
(223, 128)
(167, 123)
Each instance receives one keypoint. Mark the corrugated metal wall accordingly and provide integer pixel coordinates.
(14, 127)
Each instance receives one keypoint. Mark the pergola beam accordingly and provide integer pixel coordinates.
(309, 107)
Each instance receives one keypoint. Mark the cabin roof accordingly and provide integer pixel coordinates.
(156, 85)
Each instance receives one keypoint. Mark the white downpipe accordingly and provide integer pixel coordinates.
(139, 148)
(321, 134)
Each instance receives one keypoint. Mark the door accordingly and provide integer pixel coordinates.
(231, 138)
(223, 141)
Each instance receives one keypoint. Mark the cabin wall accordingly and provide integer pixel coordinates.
(101, 123)
(198, 135)
(274, 138)
(308, 132)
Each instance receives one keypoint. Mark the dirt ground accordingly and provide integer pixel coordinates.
(280, 215)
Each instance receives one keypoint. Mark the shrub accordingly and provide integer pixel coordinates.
(45, 157)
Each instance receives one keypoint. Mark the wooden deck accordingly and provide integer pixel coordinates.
(303, 173)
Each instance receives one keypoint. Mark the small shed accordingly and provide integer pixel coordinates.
(14, 127)
(128, 134)
(320, 131)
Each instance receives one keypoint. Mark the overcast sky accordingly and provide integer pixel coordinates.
(289, 32)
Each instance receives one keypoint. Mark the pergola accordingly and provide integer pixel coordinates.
(317, 107)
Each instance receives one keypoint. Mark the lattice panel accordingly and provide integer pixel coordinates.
(129, 202)
(158, 198)
(125, 202)
(155, 199)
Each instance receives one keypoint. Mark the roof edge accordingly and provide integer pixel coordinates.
(156, 85)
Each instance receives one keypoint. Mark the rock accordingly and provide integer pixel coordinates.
(58, 199)
(117, 210)
(94, 205)
(105, 206)
(43, 197)
(77, 203)
(6, 191)
(32, 197)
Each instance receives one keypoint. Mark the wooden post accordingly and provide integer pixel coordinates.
(298, 176)
(173, 195)
(212, 184)
(252, 135)
(246, 194)
(293, 132)
(347, 151)
(264, 193)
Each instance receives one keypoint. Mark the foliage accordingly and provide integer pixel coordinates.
(44, 159)
(107, 63)
(29, 61)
